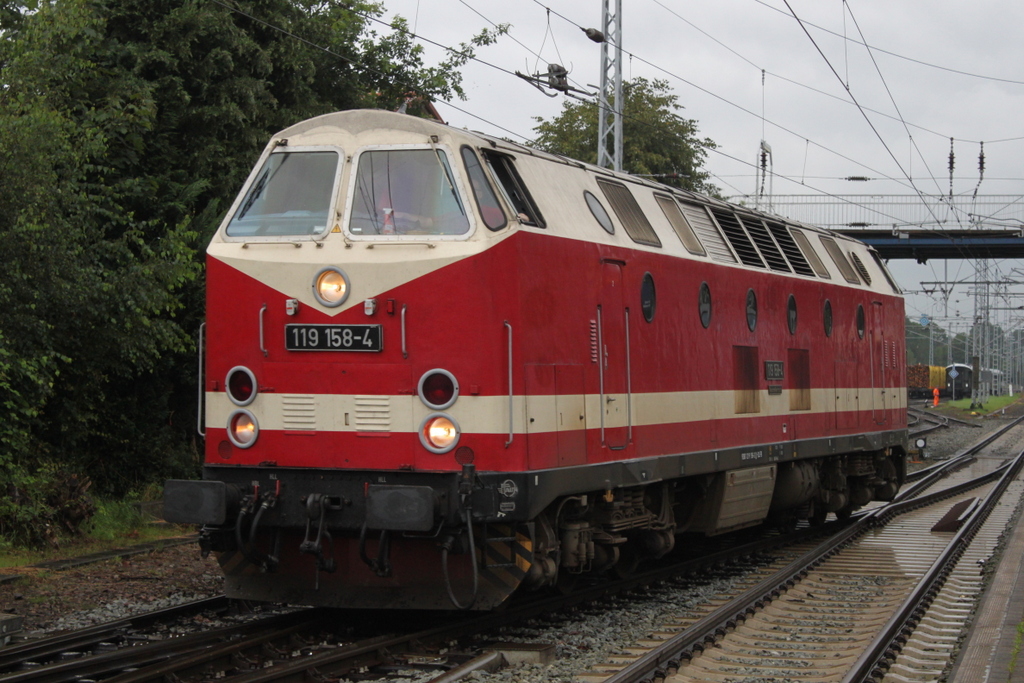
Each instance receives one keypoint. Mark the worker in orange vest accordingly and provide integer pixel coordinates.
(935, 396)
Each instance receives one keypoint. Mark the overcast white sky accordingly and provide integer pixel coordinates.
(712, 53)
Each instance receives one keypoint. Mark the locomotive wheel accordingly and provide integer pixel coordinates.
(629, 560)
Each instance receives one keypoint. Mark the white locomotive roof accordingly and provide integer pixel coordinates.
(559, 194)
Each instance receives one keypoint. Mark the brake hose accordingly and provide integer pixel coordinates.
(444, 567)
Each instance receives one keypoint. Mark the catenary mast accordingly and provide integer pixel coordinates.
(610, 105)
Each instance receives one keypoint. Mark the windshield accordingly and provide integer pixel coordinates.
(291, 196)
(406, 192)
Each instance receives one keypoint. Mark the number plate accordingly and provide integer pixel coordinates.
(333, 338)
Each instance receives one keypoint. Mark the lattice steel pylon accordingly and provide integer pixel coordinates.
(609, 102)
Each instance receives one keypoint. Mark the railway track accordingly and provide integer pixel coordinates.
(922, 422)
(336, 644)
(798, 570)
(103, 636)
(888, 594)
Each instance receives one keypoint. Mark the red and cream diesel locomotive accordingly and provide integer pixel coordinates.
(441, 366)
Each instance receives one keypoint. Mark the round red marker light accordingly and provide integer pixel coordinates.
(241, 385)
(438, 389)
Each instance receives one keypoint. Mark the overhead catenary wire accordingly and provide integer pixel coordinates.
(888, 91)
(744, 110)
(714, 151)
(866, 117)
(798, 84)
(904, 57)
(952, 209)
(504, 129)
(514, 39)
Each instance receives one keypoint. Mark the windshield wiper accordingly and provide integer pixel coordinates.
(254, 194)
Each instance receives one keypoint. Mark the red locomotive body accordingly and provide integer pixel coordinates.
(440, 366)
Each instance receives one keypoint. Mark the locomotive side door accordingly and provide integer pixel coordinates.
(613, 361)
(846, 387)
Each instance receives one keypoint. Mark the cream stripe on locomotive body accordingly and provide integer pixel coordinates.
(533, 414)
(594, 361)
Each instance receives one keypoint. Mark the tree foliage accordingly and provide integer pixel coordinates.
(656, 141)
(918, 343)
(126, 126)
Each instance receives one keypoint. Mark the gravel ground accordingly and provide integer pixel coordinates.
(943, 443)
(113, 589)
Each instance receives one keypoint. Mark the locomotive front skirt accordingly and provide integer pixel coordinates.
(440, 367)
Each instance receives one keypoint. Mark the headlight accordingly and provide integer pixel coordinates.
(439, 433)
(243, 429)
(331, 286)
(438, 389)
(241, 385)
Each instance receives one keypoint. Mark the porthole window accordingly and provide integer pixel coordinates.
(860, 321)
(827, 318)
(704, 305)
(648, 299)
(791, 314)
(751, 310)
(600, 214)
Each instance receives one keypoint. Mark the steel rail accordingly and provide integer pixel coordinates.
(878, 656)
(46, 648)
(187, 655)
(959, 459)
(927, 417)
(144, 655)
(379, 649)
(952, 419)
(921, 416)
(719, 622)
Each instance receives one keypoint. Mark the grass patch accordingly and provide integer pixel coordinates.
(116, 524)
(1016, 649)
(993, 404)
(114, 519)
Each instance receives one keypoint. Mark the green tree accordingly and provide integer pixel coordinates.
(126, 126)
(656, 141)
(917, 343)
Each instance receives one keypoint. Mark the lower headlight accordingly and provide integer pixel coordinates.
(439, 433)
(243, 429)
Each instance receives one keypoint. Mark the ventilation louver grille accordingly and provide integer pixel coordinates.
(789, 248)
(708, 232)
(737, 237)
(298, 412)
(860, 267)
(373, 414)
(766, 244)
(812, 256)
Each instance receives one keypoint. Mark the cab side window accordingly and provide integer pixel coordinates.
(511, 184)
(486, 200)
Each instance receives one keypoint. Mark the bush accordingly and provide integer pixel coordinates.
(40, 509)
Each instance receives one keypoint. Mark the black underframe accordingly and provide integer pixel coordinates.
(520, 496)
